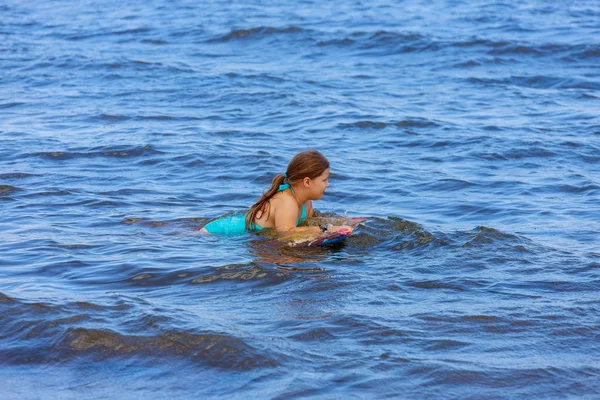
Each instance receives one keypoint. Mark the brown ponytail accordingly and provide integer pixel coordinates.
(309, 164)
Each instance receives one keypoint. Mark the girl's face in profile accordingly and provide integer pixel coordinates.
(318, 185)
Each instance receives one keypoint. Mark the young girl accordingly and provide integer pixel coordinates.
(287, 202)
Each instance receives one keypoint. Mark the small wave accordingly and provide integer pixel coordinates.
(117, 65)
(516, 49)
(78, 37)
(483, 235)
(110, 117)
(157, 42)
(218, 350)
(589, 53)
(450, 184)
(518, 154)
(407, 123)
(11, 105)
(84, 305)
(43, 333)
(180, 222)
(444, 345)
(574, 189)
(548, 82)
(467, 64)
(492, 128)
(317, 335)
(156, 118)
(392, 37)
(591, 270)
(570, 52)
(396, 42)
(5, 190)
(258, 32)
(538, 82)
(401, 234)
(130, 31)
(591, 286)
(365, 125)
(267, 274)
(436, 285)
(109, 152)
(244, 272)
(258, 77)
(391, 42)
(486, 322)
(5, 299)
(475, 42)
(336, 42)
(159, 117)
(15, 175)
(481, 318)
(590, 159)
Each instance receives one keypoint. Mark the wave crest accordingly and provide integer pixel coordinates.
(258, 32)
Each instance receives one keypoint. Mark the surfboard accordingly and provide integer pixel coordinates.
(325, 238)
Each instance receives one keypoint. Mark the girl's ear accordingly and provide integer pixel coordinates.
(306, 182)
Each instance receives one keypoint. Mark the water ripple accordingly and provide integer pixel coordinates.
(466, 133)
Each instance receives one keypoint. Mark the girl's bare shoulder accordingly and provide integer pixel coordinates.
(283, 199)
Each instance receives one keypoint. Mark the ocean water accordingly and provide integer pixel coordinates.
(468, 131)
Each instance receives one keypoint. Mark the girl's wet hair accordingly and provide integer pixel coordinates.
(308, 164)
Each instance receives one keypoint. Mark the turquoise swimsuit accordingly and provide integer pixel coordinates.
(234, 225)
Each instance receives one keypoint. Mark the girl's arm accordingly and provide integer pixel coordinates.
(309, 209)
(286, 214)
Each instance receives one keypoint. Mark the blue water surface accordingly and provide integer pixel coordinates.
(468, 131)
